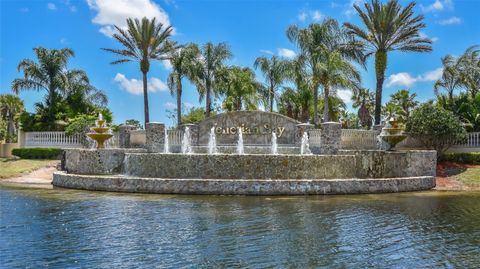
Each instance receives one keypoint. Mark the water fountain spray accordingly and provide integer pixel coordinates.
(274, 143)
(212, 142)
(305, 147)
(186, 142)
(240, 142)
(166, 146)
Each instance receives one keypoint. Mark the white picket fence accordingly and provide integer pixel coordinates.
(351, 138)
(51, 140)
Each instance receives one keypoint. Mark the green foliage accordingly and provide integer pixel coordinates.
(37, 153)
(467, 108)
(81, 123)
(401, 104)
(435, 127)
(194, 115)
(350, 121)
(10, 108)
(464, 157)
(275, 71)
(239, 87)
(134, 122)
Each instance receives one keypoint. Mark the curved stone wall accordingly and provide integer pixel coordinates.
(241, 187)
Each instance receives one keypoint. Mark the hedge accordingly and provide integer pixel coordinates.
(37, 153)
(465, 157)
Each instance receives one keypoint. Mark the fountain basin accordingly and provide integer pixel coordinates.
(241, 186)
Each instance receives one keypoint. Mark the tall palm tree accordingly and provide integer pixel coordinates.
(470, 70)
(303, 94)
(451, 78)
(207, 68)
(143, 41)
(80, 96)
(275, 72)
(364, 99)
(327, 49)
(48, 73)
(240, 88)
(183, 65)
(389, 27)
(10, 107)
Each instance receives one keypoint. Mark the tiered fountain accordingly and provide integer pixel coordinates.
(392, 133)
(100, 133)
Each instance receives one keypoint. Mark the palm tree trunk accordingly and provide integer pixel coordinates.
(315, 104)
(179, 101)
(208, 101)
(9, 130)
(380, 67)
(145, 99)
(326, 105)
(271, 99)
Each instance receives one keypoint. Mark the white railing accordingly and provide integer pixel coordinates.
(52, 140)
(315, 137)
(358, 139)
(473, 141)
(175, 137)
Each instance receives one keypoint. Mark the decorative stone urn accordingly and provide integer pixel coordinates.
(392, 133)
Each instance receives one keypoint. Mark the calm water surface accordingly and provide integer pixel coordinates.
(74, 229)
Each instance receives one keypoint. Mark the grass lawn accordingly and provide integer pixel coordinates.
(11, 167)
(470, 176)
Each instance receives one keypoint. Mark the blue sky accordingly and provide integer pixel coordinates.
(251, 28)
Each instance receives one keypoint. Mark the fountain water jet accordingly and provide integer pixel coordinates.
(274, 143)
(305, 147)
(212, 142)
(240, 142)
(166, 145)
(186, 142)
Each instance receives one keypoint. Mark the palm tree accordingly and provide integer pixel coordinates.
(10, 107)
(207, 67)
(364, 99)
(389, 27)
(275, 71)
(303, 94)
(240, 88)
(451, 78)
(142, 42)
(326, 49)
(470, 70)
(405, 101)
(182, 61)
(48, 73)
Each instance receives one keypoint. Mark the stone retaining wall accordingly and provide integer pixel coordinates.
(241, 187)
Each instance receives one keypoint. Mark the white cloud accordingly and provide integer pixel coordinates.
(170, 105)
(167, 64)
(423, 35)
(135, 86)
(286, 53)
(64, 41)
(115, 12)
(302, 16)
(345, 95)
(51, 6)
(267, 52)
(438, 5)
(314, 15)
(450, 21)
(407, 80)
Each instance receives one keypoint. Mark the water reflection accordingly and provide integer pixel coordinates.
(64, 228)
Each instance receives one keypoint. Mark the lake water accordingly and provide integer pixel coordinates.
(61, 228)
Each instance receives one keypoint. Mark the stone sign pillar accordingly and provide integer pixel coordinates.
(299, 130)
(124, 135)
(154, 136)
(194, 132)
(331, 137)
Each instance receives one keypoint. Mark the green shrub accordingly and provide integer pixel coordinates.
(37, 153)
(464, 157)
(435, 127)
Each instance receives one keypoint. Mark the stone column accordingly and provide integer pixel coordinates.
(331, 137)
(124, 135)
(299, 130)
(154, 136)
(21, 138)
(194, 132)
